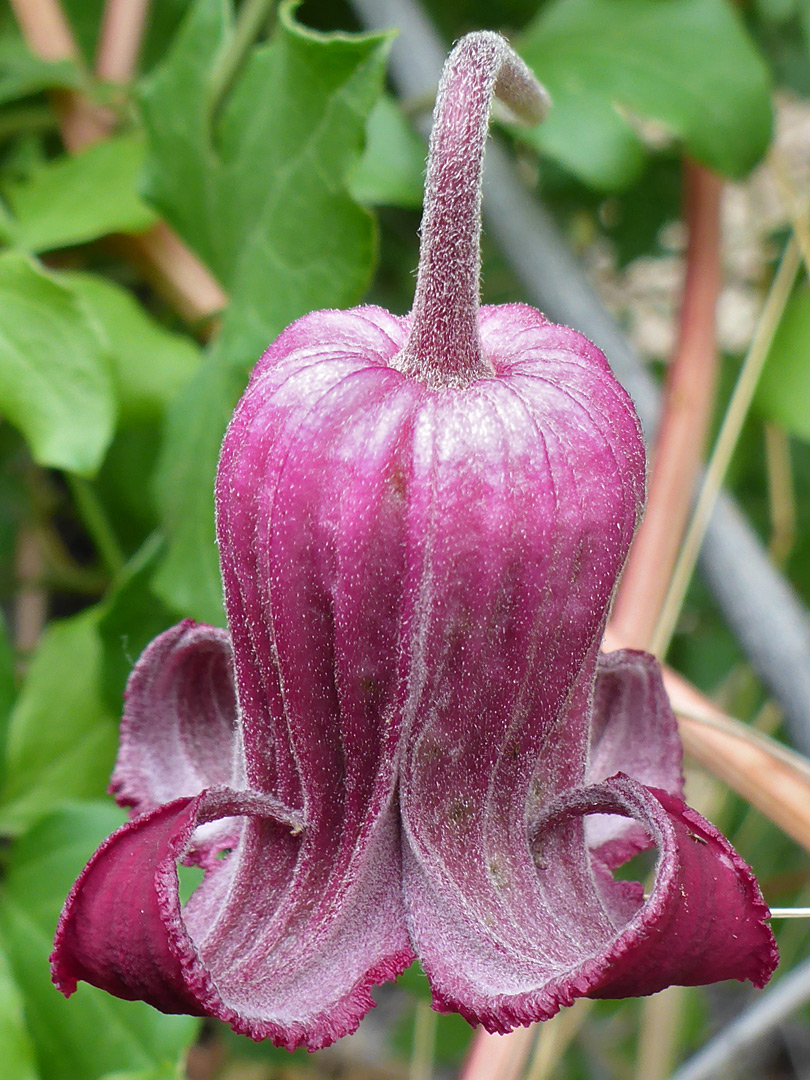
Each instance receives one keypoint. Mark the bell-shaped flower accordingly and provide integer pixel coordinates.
(409, 743)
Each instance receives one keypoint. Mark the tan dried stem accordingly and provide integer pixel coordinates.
(660, 1033)
(119, 46)
(554, 1037)
(501, 1056)
(687, 410)
(48, 34)
(45, 28)
(31, 598)
(769, 776)
(172, 268)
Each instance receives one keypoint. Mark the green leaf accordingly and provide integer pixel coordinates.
(783, 393)
(92, 1034)
(55, 384)
(84, 17)
(391, 171)
(168, 1071)
(61, 738)
(18, 1050)
(22, 73)
(125, 483)
(686, 64)
(73, 200)
(262, 198)
(188, 578)
(151, 364)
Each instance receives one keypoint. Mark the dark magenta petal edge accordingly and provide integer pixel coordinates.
(228, 954)
(586, 934)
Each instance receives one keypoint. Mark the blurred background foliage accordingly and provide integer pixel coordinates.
(271, 141)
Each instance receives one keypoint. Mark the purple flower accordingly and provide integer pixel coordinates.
(409, 743)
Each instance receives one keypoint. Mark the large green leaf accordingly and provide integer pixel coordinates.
(783, 393)
(54, 207)
(262, 197)
(92, 1034)
(688, 65)
(18, 1050)
(188, 578)
(55, 383)
(61, 738)
(151, 364)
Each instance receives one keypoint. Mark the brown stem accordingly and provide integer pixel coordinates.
(176, 274)
(31, 599)
(171, 267)
(688, 402)
(48, 34)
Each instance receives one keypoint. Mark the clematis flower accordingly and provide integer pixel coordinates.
(408, 744)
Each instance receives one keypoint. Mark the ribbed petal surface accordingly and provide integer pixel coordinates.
(541, 472)
(292, 931)
(310, 489)
(416, 581)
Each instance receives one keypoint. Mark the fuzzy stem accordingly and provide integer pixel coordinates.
(444, 345)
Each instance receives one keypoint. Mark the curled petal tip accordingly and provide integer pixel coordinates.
(123, 928)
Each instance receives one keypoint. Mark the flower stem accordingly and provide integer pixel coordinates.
(444, 346)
